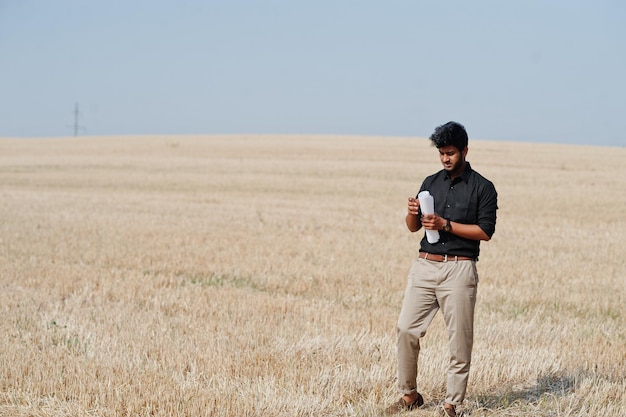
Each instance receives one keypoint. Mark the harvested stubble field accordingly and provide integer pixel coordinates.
(262, 276)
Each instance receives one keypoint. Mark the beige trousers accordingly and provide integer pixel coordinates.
(432, 285)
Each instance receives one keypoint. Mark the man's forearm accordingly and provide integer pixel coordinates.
(413, 222)
(468, 231)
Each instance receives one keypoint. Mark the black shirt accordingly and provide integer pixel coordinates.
(469, 199)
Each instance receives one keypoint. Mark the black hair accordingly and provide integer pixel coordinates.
(451, 133)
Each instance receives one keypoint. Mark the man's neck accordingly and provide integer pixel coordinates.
(457, 173)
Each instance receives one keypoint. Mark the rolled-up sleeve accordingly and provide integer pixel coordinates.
(487, 207)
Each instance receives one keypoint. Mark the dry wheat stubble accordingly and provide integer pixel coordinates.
(262, 275)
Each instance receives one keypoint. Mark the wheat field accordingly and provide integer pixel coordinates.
(263, 275)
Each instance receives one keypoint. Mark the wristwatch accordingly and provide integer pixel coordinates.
(447, 227)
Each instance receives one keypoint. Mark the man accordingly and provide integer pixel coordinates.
(444, 274)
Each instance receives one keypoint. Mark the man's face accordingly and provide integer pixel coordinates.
(452, 159)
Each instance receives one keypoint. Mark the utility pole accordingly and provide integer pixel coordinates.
(76, 114)
(77, 125)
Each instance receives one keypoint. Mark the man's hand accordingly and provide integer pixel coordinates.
(414, 205)
(412, 218)
(433, 222)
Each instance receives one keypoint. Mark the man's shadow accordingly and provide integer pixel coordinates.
(556, 384)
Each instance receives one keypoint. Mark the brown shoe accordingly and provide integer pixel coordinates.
(401, 405)
(448, 410)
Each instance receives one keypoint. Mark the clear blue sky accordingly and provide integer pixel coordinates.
(541, 71)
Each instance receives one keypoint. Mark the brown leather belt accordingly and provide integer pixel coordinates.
(443, 258)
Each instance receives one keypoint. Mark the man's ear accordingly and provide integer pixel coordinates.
(464, 153)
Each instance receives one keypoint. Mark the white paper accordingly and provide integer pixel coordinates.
(427, 204)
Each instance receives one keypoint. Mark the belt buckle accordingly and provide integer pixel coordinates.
(445, 258)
